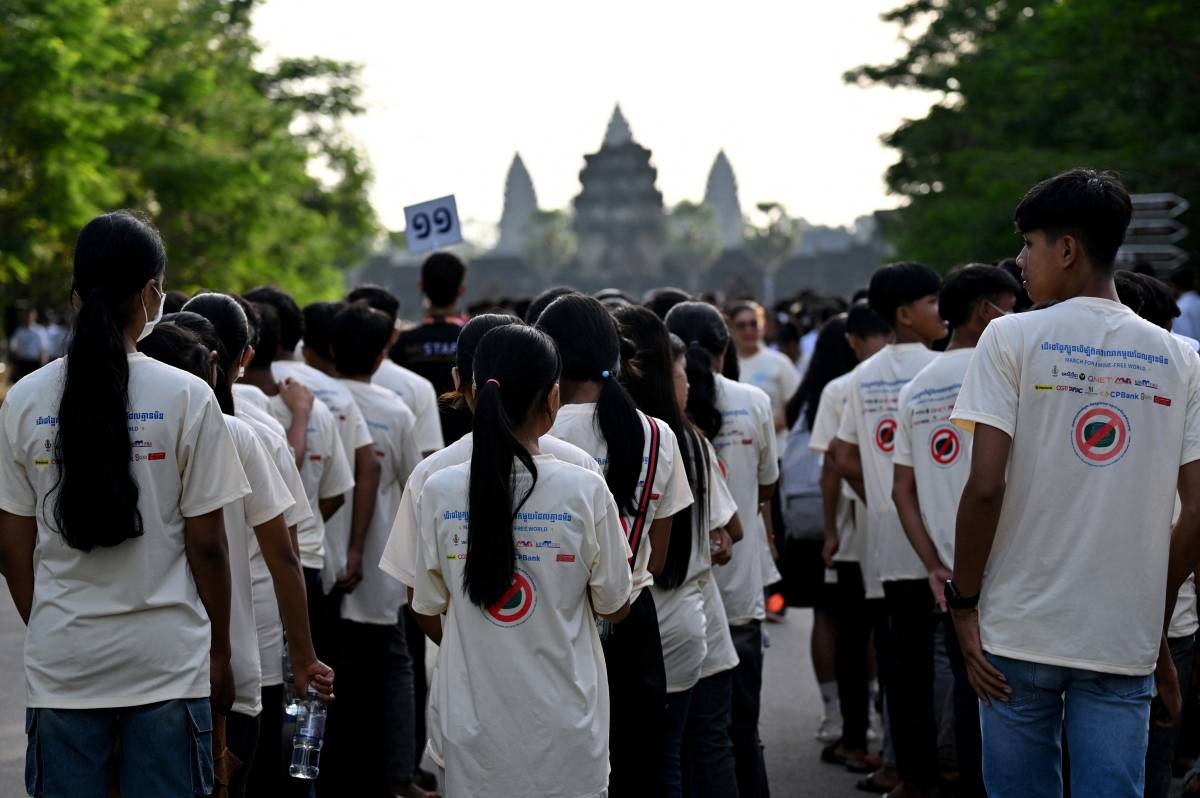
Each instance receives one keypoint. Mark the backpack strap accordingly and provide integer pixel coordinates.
(638, 527)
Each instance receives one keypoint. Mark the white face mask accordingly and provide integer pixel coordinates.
(150, 322)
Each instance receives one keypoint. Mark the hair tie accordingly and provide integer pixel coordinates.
(605, 374)
(494, 381)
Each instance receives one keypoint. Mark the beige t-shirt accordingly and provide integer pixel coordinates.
(775, 374)
(670, 493)
(938, 452)
(269, 497)
(123, 625)
(1103, 408)
(746, 448)
(532, 662)
(418, 393)
(869, 422)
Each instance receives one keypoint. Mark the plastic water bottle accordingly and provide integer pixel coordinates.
(309, 737)
(291, 699)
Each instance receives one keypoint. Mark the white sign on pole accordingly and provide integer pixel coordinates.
(1154, 231)
(432, 225)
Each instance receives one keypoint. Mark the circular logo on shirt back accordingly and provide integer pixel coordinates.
(885, 435)
(517, 603)
(945, 446)
(1100, 434)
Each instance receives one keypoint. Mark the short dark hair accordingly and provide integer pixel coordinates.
(268, 336)
(1183, 278)
(359, 336)
(862, 322)
(378, 297)
(543, 300)
(1090, 205)
(898, 284)
(1146, 296)
(661, 300)
(291, 320)
(442, 275)
(966, 286)
(318, 326)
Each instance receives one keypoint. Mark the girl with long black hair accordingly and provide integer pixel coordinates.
(645, 472)
(113, 472)
(737, 418)
(654, 378)
(519, 550)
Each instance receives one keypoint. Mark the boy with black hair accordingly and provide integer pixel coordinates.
(1085, 420)
(930, 462)
(430, 348)
(905, 295)
(416, 391)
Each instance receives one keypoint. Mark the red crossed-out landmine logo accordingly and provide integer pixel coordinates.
(945, 446)
(1100, 434)
(885, 435)
(517, 603)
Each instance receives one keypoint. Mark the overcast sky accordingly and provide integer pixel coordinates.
(454, 89)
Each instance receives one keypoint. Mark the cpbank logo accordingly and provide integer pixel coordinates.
(517, 604)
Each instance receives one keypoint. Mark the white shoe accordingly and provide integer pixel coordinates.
(830, 730)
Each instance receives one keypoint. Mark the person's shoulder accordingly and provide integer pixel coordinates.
(455, 454)
(559, 473)
(838, 386)
(564, 450)
(449, 480)
(37, 387)
(243, 433)
(779, 358)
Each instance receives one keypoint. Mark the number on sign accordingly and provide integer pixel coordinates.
(420, 225)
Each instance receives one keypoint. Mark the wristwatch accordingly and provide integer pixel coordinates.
(956, 600)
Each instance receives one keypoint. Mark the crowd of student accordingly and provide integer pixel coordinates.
(216, 504)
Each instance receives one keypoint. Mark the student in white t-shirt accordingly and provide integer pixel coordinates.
(930, 466)
(519, 646)
(737, 419)
(1069, 580)
(644, 471)
(905, 295)
(761, 366)
(852, 610)
(114, 470)
(357, 339)
(416, 391)
(399, 560)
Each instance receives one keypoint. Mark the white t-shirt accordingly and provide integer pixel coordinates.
(869, 422)
(682, 617)
(418, 393)
(1103, 409)
(251, 402)
(532, 663)
(269, 497)
(774, 373)
(938, 452)
(352, 430)
(746, 448)
(670, 493)
(325, 473)
(400, 554)
(379, 596)
(123, 625)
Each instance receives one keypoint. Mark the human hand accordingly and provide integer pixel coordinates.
(298, 398)
(723, 543)
(986, 681)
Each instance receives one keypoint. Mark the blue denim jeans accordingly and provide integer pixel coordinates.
(708, 762)
(677, 712)
(1160, 755)
(166, 751)
(1107, 719)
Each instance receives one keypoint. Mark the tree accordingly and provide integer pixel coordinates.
(1029, 89)
(157, 104)
(550, 243)
(693, 239)
(774, 237)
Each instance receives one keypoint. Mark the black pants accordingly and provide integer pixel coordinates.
(403, 754)
(855, 617)
(241, 737)
(708, 762)
(355, 756)
(268, 776)
(909, 680)
(322, 615)
(420, 685)
(637, 685)
(967, 736)
(746, 703)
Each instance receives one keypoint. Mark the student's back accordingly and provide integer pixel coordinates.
(1107, 404)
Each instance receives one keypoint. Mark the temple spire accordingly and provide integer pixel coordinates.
(721, 195)
(618, 131)
(520, 202)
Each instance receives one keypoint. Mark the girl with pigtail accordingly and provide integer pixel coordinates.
(645, 472)
(519, 550)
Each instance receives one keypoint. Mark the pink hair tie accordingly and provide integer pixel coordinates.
(494, 381)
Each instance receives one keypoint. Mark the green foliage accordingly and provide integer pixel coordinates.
(157, 104)
(693, 239)
(771, 235)
(550, 242)
(1029, 89)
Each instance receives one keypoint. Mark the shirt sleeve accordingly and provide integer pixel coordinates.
(430, 593)
(399, 553)
(789, 378)
(677, 494)
(851, 412)
(768, 456)
(1191, 424)
(17, 494)
(429, 424)
(829, 416)
(210, 469)
(991, 387)
(721, 505)
(610, 581)
(285, 463)
(269, 494)
(408, 452)
(337, 477)
(902, 453)
(360, 435)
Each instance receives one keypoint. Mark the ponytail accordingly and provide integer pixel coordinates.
(515, 368)
(625, 438)
(96, 501)
(229, 322)
(703, 328)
